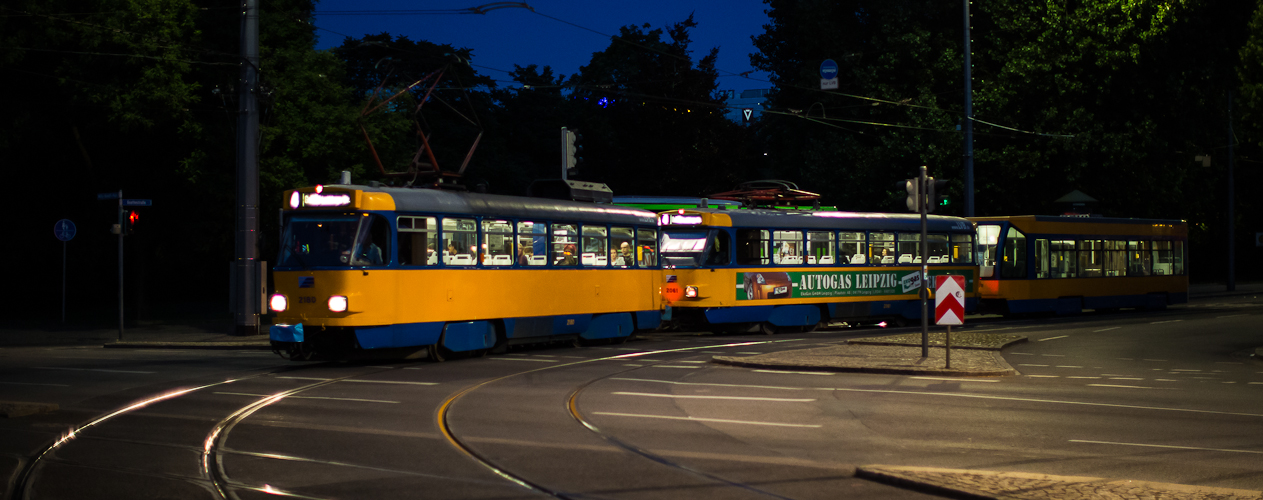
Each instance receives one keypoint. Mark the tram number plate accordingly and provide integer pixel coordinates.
(306, 300)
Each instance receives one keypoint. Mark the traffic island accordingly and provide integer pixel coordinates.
(979, 484)
(15, 409)
(972, 355)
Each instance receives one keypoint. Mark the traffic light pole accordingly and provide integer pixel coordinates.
(925, 285)
(120, 264)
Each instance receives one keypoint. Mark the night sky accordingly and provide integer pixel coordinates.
(504, 37)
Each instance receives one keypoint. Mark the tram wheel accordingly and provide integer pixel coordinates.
(767, 328)
(436, 353)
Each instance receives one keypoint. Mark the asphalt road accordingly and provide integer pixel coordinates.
(1159, 396)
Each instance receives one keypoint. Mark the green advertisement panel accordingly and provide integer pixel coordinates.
(762, 285)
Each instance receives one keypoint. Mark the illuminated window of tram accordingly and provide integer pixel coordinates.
(882, 247)
(820, 247)
(418, 238)
(962, 249)
(595, 242)
(565, 245)
(1177, 258)
(988, 245)
(532, 243)
(372, 246)
(622, 246)
(1139, 261)
(497, 243)
(1013, 263)
(1115, 258)
(1163, 258)
(752, 246)
(787, 247)
(851, 248)
(1091, 258)
(460, 242)
(646, 247)
(909, 248)
(936, 246)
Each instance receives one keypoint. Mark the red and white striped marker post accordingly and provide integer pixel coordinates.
(949, 307)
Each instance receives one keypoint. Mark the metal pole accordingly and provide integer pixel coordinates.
(925, 286)
(63, 282)
(947, 346)
(121, 230)
(969, 123)
(246, 307)
(1232, 220)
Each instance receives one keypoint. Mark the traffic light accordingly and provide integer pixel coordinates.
(914, 194)
(935, 200)
(571, 150)
(132, 217)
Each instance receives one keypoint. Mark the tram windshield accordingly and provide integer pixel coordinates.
(319, 240)
(683, 248)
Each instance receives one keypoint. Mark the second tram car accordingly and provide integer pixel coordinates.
(787, 270)
(1057, 264)
(378, 267)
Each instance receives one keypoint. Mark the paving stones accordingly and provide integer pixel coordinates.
(977, 484)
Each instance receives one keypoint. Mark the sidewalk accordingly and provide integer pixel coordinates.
(979, 484)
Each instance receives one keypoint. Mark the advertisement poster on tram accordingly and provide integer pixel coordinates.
(810, 284)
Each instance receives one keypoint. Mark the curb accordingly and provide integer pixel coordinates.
(245, 345)
(1006, 485)
(739, 361)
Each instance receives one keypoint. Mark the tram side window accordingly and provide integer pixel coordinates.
(622, 241)
(882, 247)
(1139, 261)
(962, 249)
(1177, 258)
(1091, 258)
(1013, 264)
(594, 247)
(373, 247)
(1065, 263)
(719, 248)
(1163, 260)
(460, 241)
(417, 239)
(532, 243)
(497, 243)
(1041, 258)
(909, 248)
(851, 248)
(820, 247)
(752, 246)
(936, 245)
(565, 245)
(787, 247)
(1115, 258)
(647, 247)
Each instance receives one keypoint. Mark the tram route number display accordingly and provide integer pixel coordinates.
(786, 285)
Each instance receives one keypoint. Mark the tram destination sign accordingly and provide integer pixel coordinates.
(811, 284)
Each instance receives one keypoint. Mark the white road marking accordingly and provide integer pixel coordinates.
(1166, 446)
(739, 398)
(1106, 329)
(64, 385)
(1254, 383)
(1229, 316)
(386, 367)
(692, 361)
(1168, 321)
(1068, 366)
(629, 364)
(528, 359)
(1083, 377)
(364, 381)
(955, 379)
(89, 370)
(1184, 370)
(1228, 363)
(1120, 386)
(307, 397)
(943, 395)
(1044, 376)
(795, 373)
(1165, 380)
(676, 366)
(1126, 378)
(1027, 364)
(1054, 355)
(1023, 353)
(698, 419)
(1051, 338)
(747, 352)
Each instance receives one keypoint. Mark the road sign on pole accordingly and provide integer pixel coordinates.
(949, 300)
(828, 75)
(136, 202)
(64, 230)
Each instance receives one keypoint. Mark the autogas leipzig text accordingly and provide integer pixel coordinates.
(853, 284)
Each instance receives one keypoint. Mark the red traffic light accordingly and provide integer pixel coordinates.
(133, 216)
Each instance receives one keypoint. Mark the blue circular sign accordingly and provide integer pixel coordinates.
(64, 230)
(828, 69)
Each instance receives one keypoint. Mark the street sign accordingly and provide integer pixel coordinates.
(64, 230)
(107, 196)
(828, 75)
(747, 114)
(134, 202)
(949, 300)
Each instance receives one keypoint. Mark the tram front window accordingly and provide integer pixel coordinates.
(683, 248)
(319, 240)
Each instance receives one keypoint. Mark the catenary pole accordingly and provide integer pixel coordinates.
(969, 122)
(245, 308)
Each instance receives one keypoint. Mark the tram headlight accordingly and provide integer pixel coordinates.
(337, 303)
(690, 291)
(278, 303)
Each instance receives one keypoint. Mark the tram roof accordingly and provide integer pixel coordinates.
(459, 202)
(859, 221)
(1078, 219)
